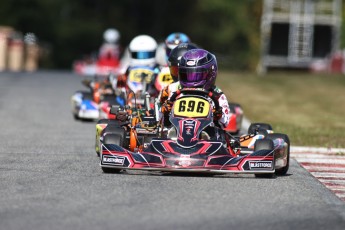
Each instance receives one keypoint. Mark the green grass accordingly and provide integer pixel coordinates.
(310, 108)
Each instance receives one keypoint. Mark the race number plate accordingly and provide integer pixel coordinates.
(191, 107)
(138, 75)
(165, 78)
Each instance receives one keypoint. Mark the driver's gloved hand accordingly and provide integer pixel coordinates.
(166, 107)
(217, 114)
(121, 116)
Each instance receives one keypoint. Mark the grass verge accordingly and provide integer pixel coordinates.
(310, 108)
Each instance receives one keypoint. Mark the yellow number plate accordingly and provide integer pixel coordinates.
(165, 78)
(191, 107)
(136, 75)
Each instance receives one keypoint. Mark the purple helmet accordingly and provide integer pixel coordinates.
(198, 69)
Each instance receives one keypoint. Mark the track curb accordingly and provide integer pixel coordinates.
(323, 150)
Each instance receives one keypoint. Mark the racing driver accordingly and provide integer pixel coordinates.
(197, 69)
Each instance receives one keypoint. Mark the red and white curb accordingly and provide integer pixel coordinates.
(325, 164)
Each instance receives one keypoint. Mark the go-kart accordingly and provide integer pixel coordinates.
(139, 81)
(193, 144)
(92, 66)
(95, 104)
(83, 106)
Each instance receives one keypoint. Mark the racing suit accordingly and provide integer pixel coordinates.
(222, 117)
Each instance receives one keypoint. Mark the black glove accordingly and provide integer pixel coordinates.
(217, 114)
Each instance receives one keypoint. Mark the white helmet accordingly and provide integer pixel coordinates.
(111, 35)
(143, 51)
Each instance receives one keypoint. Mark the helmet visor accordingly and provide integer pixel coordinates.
(193, 75)
(143, 54)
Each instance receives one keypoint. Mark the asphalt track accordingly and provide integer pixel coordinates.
(50, 178)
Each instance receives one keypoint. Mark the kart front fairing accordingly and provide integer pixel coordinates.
(205, 156)
(187, 152)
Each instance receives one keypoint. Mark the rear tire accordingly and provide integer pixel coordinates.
(284, 170)
(264, 144)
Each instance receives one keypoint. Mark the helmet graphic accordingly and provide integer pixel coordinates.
(198, 69)
(175, 57)
(143, 50)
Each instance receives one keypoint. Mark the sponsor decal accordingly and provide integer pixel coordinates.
(114, 160)
(189, 125)
(260, 164)
(185, 161)
(190, 62)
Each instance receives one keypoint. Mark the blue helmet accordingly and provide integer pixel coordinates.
(174, 40)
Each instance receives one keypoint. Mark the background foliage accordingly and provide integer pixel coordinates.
(69, 29)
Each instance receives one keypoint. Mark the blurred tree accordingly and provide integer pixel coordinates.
(231, 29)
(228, 28)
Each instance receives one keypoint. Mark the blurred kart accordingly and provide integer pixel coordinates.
(95, 104)
(84, 107)
(139, 81)
(195, 144)
(236, 118)
(91, 66)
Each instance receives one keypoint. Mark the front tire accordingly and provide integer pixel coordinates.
(100, 131)
(112, 139)
(284, 170)
(264, 144)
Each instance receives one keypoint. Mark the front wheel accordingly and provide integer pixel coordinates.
(116, 139)
(282, 171)
(264, 144)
